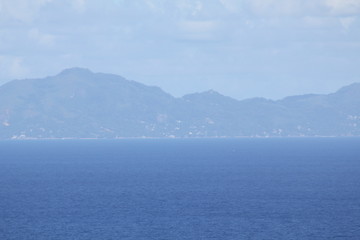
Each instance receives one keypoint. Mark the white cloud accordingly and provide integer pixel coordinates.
(198, 30)
(276, 7)
(27, 10)
(41, 38)
(318, 22)
(12, 67)
(294, 7)
(346, 22)
(17, 68)
(198, 26)
(254, 8)
(347, 7)
(153, 6)
(191, 8)
(231, 5)
(79, 5)
(23, 10)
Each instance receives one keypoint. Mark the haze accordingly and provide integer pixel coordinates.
(267, 48)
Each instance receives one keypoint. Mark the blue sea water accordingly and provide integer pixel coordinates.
(286, 188)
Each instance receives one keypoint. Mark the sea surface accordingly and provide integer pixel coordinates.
(174, 189)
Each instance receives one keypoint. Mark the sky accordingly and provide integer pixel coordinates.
(240, 48)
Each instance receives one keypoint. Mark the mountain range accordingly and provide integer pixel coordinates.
(78, 103)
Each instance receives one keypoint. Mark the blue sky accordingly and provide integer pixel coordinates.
(241, 48)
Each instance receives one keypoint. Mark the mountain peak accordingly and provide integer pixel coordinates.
(75, 71)
(352, 88)
(208, 93)
(211, 91)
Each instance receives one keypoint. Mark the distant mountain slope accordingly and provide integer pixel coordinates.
(80, 104)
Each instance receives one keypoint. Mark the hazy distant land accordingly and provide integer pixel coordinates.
(78, 103)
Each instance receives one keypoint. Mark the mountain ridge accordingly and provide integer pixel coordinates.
(77, 103)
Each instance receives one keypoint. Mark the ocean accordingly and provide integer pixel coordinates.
(175, 189)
